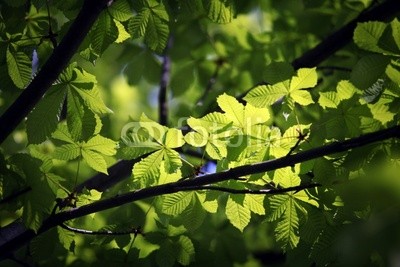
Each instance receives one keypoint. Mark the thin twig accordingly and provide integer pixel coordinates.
(164, 81)
(134, 231)
(211, 82)
(266, 191)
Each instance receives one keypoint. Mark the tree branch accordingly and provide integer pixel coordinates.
(273, 164)
(213, 79)
(343, 36)
(165, 77)
(57, 62)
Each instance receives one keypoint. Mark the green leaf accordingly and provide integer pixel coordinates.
(328, 99)
(19, 68)
(211, 122)
(175, 204)
(373, 93)
(95, 160)
(67, 239)
(220, 11)
(367, 34)
(123, 35)
(42, 121)
(152, 24)
(103, 33)
(101, 144)
(185, 250)
(121, 10)
(81, 121)
(393, 72)
(255, 203)
(88, 196)
(305, 78)
(174, 138)
(237, 214)
(212, 131)
(210, 206)
(92, 99)
(395, 24)
(62, 133)
(67, 152)
(368, 70)
(166, 255)
(380, 111)
(233, 109)
(133, 151)
(266, 95)
(287, 229)
(172, 160)
(147, 170)
(242, 116)
(344, 90)
(345, 121)
(193, 216)
(40, 199)
(278, 72)
(277, 206)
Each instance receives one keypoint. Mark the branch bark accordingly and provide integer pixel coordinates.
(193, 184)
(57, 62)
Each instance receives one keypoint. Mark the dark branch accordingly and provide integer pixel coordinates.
(165, 77)
(211, 81)
(343, 36)
(335, 147)
(57, 62)
(332, 68)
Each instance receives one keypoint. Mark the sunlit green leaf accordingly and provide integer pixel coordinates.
(149, 167)
(67, 152)
(367, 34)
(94, 160)
(175, 204)
(237, 214)
(101, 144)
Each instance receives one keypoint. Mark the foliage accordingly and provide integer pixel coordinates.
(234, 105)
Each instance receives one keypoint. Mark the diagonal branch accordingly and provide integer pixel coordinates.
(57, 62)
(343, 36)
(270, 165)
